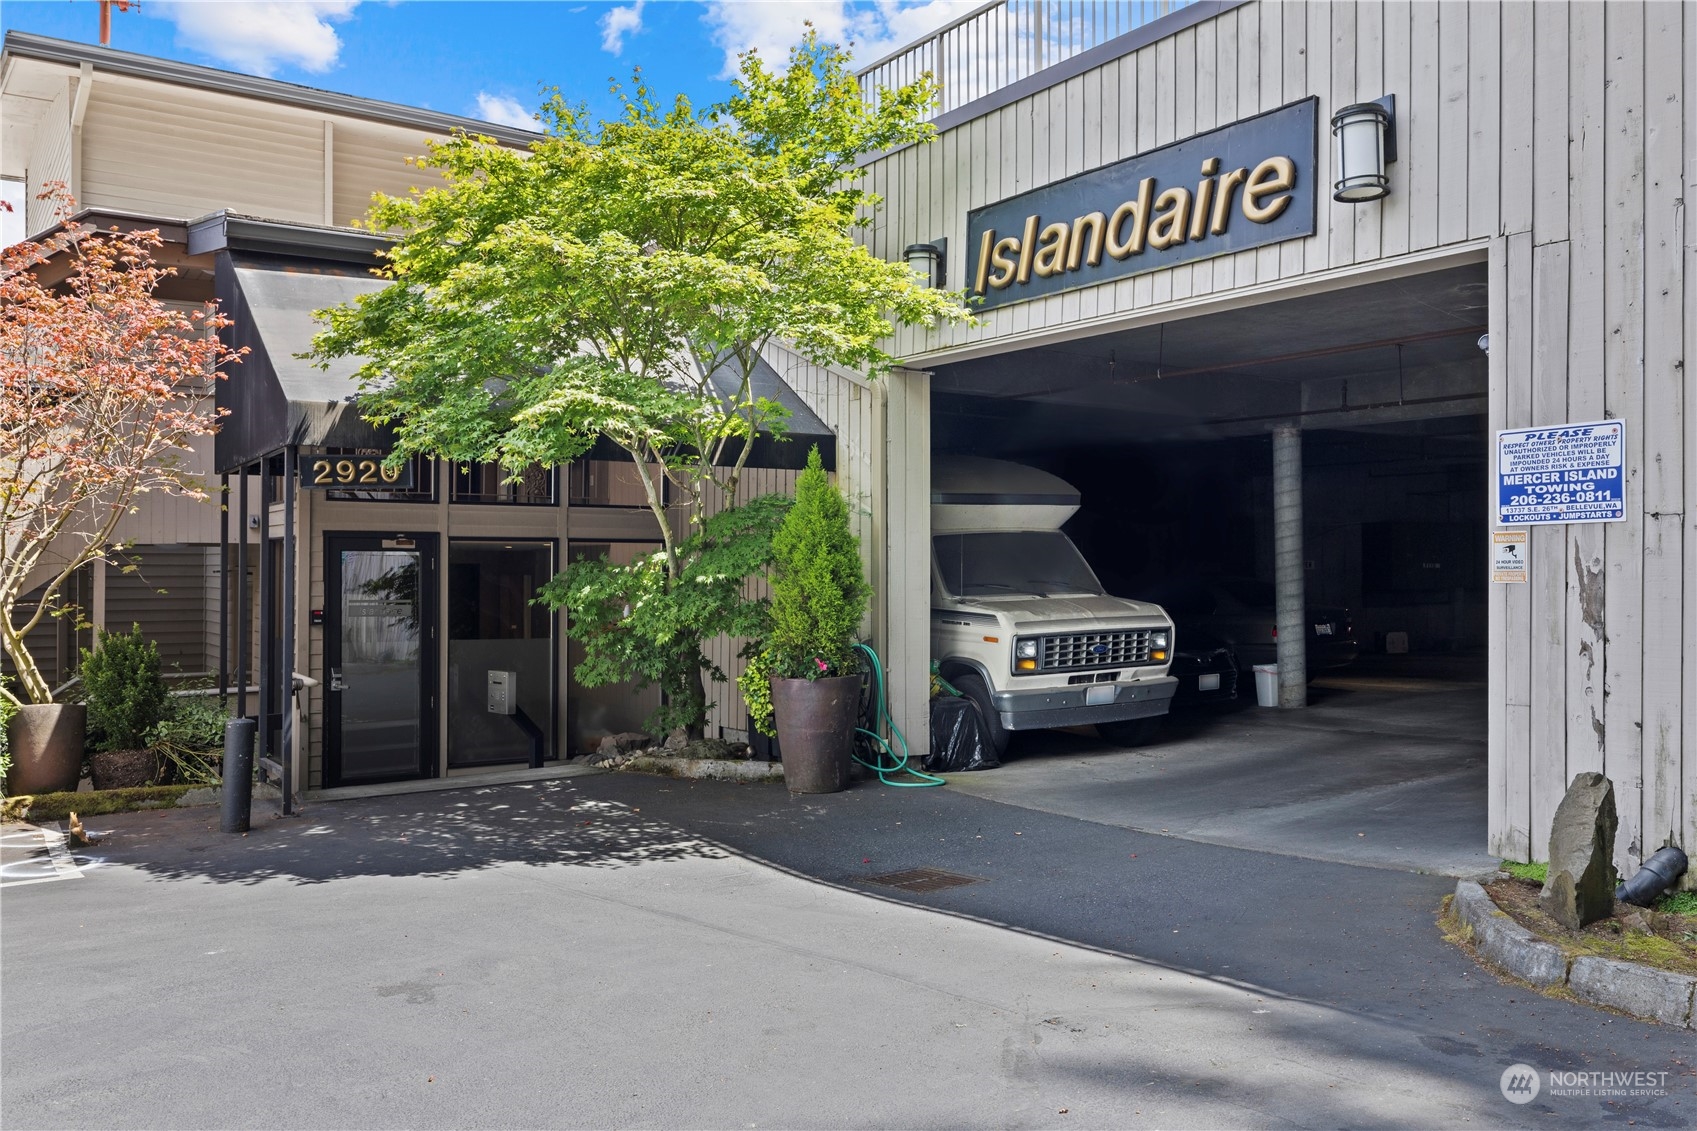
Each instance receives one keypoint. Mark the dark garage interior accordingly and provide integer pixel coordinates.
(1165, 429)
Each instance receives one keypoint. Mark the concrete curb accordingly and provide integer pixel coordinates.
(1642, 991)
(712, 769)
(212, 795)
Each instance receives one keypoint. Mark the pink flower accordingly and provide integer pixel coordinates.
(823, 666)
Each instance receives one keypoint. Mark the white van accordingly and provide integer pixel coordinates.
(1018, 620)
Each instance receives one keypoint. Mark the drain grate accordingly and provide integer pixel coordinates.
(922, 879)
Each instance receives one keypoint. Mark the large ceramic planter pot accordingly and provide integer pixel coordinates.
(46, 740)
(816, 720)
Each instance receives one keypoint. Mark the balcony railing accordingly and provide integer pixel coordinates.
(1007, 40)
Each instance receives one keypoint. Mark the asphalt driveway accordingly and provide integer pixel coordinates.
(1386, 767)
(628, 951)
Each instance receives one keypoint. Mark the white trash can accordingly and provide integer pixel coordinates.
(1266, 685)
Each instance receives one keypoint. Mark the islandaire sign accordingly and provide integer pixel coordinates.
(1244, 185)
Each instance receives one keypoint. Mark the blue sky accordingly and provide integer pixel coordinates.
(486, 59)
(483, 58)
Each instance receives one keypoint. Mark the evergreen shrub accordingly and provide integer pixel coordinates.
(124, 689)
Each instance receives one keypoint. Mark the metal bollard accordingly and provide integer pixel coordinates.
(236, 799)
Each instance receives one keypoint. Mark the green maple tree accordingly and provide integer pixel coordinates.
(618, 282)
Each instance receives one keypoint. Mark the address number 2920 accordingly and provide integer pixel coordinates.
(350, 471)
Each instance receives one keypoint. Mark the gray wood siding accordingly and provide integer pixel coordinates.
(1560, 139)
(163, 589)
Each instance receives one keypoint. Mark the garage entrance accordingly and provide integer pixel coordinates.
(1167, 430)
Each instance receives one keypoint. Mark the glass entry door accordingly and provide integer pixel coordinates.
(497, 631)
(379, 658)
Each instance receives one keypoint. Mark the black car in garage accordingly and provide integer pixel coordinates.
(1206, 668)
(1240, 610)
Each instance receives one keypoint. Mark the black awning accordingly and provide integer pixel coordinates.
(276, 399)
(802, 430)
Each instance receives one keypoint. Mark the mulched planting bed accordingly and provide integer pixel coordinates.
(1633, 934)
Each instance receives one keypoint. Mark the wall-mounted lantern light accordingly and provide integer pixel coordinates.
(1365, 137)
(930, 260)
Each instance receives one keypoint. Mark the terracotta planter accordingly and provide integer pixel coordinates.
(816, 720)
(47, 741)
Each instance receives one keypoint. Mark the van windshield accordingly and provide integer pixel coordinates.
(1013, 563)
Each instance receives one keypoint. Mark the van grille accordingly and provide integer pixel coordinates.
(1095, 650)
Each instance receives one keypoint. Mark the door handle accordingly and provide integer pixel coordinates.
(336, 683)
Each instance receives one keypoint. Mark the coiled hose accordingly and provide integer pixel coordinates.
(886, 763)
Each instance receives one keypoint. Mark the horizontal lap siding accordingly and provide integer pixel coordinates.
(163, 589)
(1561, 133)
(368, 159)
(167, 152)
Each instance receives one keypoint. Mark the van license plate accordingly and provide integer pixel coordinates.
(1322, 630)
(1099, 696)
(1209, 682)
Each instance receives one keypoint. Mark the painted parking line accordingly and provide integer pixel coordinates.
(36, 856)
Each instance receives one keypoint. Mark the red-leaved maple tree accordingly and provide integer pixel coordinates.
(102, 395)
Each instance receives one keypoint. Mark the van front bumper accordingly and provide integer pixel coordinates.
(1066, 706)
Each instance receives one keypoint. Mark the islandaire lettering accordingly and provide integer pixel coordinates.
(1241, 186)
(1151, 219)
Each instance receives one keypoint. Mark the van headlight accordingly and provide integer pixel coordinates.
(1158, 643)
(1025, 655)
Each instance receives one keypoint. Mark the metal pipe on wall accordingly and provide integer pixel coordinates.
(224, 591)
(244, 614)
(287, 682)
(1289, 580)
(267, 623)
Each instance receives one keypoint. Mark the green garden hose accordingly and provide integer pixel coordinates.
(888, 763)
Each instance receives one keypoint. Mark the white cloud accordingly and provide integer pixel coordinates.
(260, 36)
(618, 23)
(503, 111)
(868, 30)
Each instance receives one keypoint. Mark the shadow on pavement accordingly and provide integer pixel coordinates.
(431, 834)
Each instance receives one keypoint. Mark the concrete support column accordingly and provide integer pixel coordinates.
(1290, 612)
(907, 553)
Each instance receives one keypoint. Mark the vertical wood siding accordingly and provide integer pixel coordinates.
(49, 160)
(1559, 135)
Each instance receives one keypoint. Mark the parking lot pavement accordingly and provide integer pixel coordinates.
(33, 855)
(1382, 769)
(586, 953)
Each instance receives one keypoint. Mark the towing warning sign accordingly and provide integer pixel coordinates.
(1568, 473)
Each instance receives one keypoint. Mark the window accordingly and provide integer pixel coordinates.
(494, 626)
(1015, 563)
(492, 483)
(608, 483)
